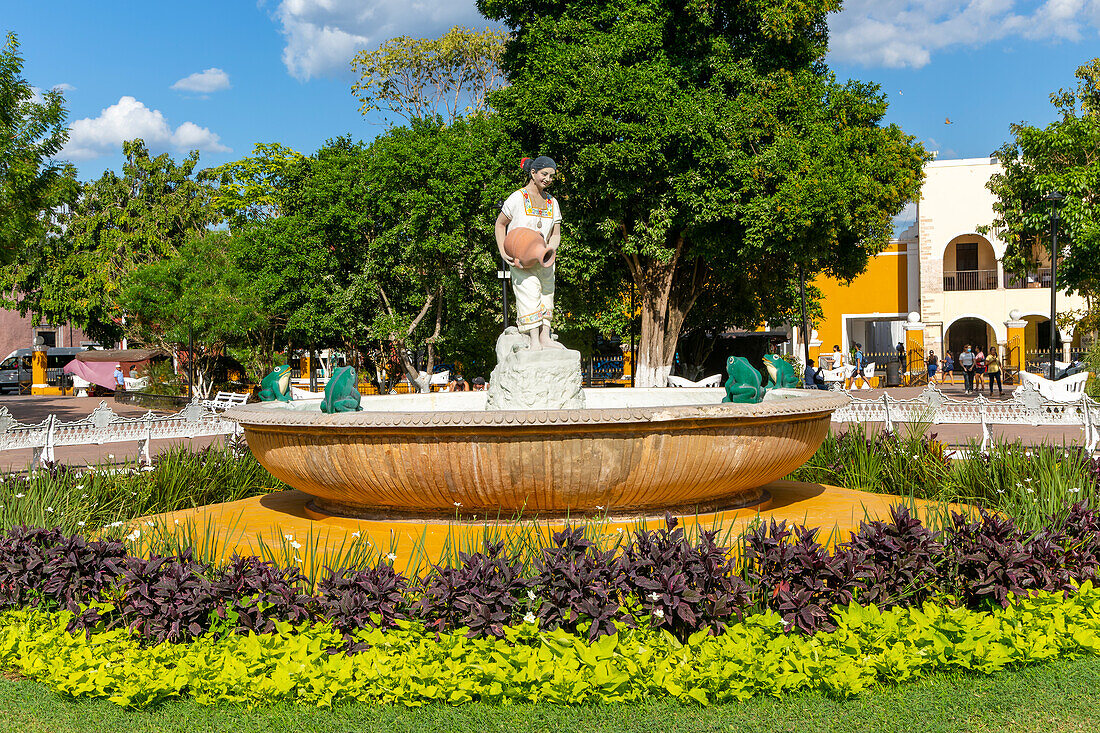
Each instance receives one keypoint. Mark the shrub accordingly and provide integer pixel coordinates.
(257, 594)
(577, 583)
(988, 559)
(789, 577)
(356, 599)
(683, 588)
(482, 594)
(45, 567)
(889, 563)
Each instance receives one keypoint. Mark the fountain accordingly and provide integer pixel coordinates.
(627, 452)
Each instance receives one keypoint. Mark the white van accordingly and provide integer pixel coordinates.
(15, 370)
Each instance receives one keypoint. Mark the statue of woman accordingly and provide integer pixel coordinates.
(535, 208)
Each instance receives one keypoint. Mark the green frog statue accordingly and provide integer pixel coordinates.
(275, 387)
(780, 373)
(342, 392)
(743, 385)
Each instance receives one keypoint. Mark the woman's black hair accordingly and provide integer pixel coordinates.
(530, 165)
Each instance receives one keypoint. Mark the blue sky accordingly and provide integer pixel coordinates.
(222, 76)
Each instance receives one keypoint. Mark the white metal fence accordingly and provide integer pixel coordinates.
(1025, 407)
(103, 425)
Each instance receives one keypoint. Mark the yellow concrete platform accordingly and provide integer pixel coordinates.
(282, 527)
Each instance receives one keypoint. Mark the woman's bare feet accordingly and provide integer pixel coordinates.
(547, 340)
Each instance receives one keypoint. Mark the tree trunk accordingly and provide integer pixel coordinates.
(667, 291)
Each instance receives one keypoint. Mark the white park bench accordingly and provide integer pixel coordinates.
(1068, 389)
(225, 400)
(714, 380)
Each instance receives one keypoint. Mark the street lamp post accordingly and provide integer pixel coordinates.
(1055, 198)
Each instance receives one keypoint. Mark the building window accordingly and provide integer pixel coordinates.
(49, 337)
(966, 256)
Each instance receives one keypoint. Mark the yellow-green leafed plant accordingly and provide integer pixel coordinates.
(408, 666)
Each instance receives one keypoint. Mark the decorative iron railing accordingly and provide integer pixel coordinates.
(103, 425)
(1026, 407)
(954, 280)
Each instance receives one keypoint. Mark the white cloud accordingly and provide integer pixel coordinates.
(64, 87)
(129, 119)
(905, 33)
(203, 82)
(323, 35)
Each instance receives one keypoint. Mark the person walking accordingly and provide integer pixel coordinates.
(979, 371)
(948, 369)
(966, 361)
(933, 366)
(858, 362)
(993, 369)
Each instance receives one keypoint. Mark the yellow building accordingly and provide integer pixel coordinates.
(946, 280)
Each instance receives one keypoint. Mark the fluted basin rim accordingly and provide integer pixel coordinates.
(778, 403)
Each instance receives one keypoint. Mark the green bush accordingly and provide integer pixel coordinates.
(410, 667)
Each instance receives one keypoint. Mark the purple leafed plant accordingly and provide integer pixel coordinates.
(481, 594)
(577, 583)
(787, 571)
(986, 560)
(355, 599)
(44, 567)
(683, 588)
(261, 593)
(889, 563)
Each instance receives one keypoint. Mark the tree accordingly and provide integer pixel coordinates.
(197, 291)
(410, 218)
(32, 132)
(704, 144)
(1064, 155)
(251, 189)
(114, 226)
(422, 78)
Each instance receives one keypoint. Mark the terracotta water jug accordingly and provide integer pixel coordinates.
(529, 247)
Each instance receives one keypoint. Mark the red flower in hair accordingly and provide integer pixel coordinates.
(523, 163)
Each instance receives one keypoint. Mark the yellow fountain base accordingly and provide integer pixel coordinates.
(284, 527)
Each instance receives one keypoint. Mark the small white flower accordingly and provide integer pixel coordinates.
(111, 456)
(620, 530)
(288, 537)
(1031, 491)
(531, 595)
(391, 557)
(134, 535)
(19, 496)
(786, 622)
(599, 508)
(115, 524)
(80, 487)
(80, 524)
(297, 559)
(150, 524)
(654, 596)
(658, 614)
(1075, 491)
(83, 496)
(458, 503)
(177, 521)
(296, 545)
(49, 509)
(529, 618)
(356, 533)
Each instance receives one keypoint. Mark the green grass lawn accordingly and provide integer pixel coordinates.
(1054, 697)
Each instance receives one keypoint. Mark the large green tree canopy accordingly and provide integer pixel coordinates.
(704, 144)
(1063, 156)
(32, 132)
(114, 226)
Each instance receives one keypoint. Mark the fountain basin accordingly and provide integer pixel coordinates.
(630, 451)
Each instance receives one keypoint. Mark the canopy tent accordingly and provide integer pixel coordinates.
(94, 372)
(98, 366)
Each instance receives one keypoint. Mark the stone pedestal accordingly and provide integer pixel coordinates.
(545, 379)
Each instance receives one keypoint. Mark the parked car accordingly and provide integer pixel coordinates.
(15, 370)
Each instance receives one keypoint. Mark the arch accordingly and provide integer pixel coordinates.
(959, 235)
(999, 329)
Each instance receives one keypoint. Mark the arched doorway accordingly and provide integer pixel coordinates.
(970, 331)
